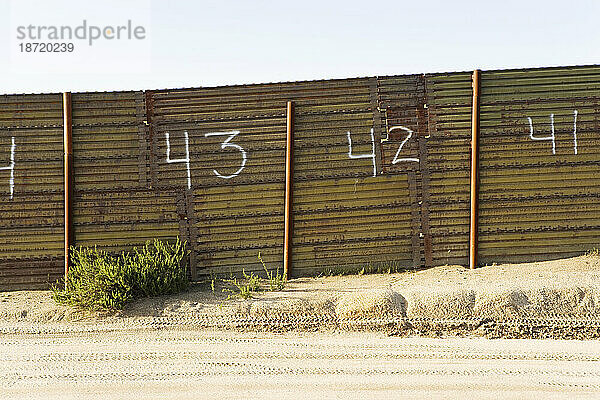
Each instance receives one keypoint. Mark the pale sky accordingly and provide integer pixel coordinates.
(208, 43)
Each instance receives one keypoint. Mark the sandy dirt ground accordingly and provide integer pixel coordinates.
(496, 301)
(183, 364)
(333, 337)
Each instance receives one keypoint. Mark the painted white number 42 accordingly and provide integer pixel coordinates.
(371, 155)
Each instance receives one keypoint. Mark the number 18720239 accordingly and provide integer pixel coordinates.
(46, 47)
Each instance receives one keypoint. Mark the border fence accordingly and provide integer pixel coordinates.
(379, 172)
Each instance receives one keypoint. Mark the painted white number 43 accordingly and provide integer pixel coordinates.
(224, 145)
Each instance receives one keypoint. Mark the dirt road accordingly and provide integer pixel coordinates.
(179, 364)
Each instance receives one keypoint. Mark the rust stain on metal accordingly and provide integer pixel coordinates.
(377, 125)
(422, 135)
(151, 140)
(192, 232)
(143, 127)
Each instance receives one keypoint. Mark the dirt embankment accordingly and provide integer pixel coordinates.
(547, 299)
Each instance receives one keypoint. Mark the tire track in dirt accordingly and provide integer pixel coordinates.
(68, 364)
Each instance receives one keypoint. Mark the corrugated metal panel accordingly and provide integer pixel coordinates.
(435, 110)
(114, 207)
(344, 216)
(31, 219)
(449, 100)
(236, 148)
(536, 203)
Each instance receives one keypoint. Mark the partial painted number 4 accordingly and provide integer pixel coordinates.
(11, 168)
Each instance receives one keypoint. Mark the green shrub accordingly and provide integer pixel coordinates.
(98, 280)
(158, 268)
(251, 284)
(275, 280)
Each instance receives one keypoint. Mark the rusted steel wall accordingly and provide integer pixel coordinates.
(381, 172)
(539, 163)
(31, 190)
(342, 215)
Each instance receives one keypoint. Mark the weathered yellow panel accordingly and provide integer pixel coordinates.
(31, 196)
(538, 195)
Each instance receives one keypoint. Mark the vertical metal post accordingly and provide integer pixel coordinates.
(289, 178)
(68, 176)
(473, 245)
